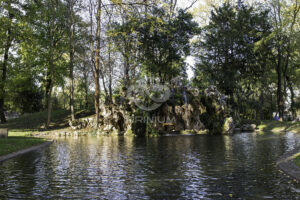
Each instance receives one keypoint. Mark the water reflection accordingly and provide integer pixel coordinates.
(177, 167)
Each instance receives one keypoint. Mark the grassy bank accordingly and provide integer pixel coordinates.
(30, 123)
(26, 124)
(22, 128)
(279, 127)
(13, 144)
(36, 121)
(297, 160)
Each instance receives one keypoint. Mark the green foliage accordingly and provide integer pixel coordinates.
(228, 48)
(163, 42)
(213, 117)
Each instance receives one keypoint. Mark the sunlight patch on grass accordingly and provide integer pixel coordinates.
(277, 127)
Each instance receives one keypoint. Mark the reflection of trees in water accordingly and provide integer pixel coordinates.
(179, 167)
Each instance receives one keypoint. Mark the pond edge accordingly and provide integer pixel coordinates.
(24, 151)
(287, 165)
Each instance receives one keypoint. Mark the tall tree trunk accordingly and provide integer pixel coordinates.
(51, 63)
(4, 71)
(3, 78)
(110, 70)
(97, 67)
(71, 51)
(86, 89)
(261, 106)
(262, 91)
(103, 83)
(64, 101)
(280, 102)
(271, 106)
(49, 95)
(290, 86)
(287, 82)
(126, 64)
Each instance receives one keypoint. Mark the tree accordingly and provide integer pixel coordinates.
(285, 16)
(95, 59)
(71, 33)
(7, 33)
(227, 53)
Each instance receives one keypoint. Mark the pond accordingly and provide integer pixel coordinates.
(171, 167)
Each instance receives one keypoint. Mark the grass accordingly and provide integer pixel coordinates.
(279, 127)
(36, 121)
(13, 144)
(297, 160)
(28, 123)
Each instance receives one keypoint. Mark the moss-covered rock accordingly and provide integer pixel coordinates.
(228, 126)
(194, 113)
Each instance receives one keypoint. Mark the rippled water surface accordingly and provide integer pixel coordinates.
(174, 167)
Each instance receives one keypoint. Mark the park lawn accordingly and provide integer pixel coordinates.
(279, 127)
(27, 124)
(14, 144)
(36, 121)
(297, 160)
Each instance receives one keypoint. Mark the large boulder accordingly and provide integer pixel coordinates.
(229, 126)
(78, 124)
(248, 127)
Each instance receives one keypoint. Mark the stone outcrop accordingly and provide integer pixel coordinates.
(188, 112)
(229, 126)
(80, 123)
(177, 118)
(248, 127)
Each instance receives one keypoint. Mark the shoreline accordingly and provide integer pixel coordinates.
(24, 151)
(287, 165)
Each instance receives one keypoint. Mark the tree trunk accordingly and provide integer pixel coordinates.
(261, 106)
(51, 65)
(97, 67)
(49, 95)
(110, 70)
(280, 102)
(4, 71)
(290, 86)
(262, 92)
(271, 106)
(86, 89)
(71, 49)
(3, 78)
(126, 69)
(64, 101)
(71, 53)
(103, 83)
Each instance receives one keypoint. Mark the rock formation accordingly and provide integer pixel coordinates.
(205, 111)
